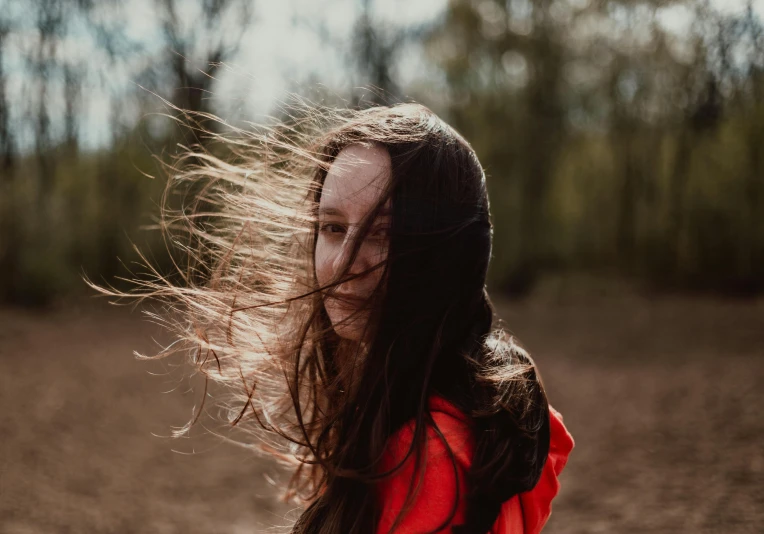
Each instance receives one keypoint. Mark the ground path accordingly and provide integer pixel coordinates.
(665, 397)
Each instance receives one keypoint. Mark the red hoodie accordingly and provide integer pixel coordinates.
(522, 514)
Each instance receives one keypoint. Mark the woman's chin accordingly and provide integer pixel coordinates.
(347, 332)
(348, 325)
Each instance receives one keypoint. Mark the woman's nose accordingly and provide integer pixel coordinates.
(346, 250)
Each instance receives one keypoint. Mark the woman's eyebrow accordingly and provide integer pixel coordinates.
(330, 211)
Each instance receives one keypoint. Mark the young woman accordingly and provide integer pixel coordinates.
(339, 289)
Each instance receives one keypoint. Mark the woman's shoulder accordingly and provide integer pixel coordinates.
(455, 427)
(450, 429)
(447, 456)
(528, 512)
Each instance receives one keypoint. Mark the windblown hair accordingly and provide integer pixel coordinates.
(247, 305)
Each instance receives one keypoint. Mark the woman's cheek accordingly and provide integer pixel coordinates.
(323, 262)
(377, 254)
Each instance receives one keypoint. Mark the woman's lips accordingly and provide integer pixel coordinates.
(350, 299)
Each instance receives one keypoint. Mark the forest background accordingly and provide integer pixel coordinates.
(621, 138)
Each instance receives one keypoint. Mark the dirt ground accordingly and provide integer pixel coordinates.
(664, 396)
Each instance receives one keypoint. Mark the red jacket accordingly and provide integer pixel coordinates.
(523, 514)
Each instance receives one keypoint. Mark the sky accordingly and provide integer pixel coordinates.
(274, 55)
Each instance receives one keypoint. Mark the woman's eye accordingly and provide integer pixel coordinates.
(381, 232)
(331, 228)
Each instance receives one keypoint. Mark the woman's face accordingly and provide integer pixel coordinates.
(354, 184)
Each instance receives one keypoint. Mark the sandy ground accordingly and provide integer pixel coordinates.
(664, 396)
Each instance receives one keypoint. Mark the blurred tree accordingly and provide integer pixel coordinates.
(374, 58)
(589, 117)
(9, 238)
(375, 51)
(503, 65)
(51, 25)
(197, 47)
(612, 140)
(6, 133)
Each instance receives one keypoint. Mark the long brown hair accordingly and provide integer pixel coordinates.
(248, 307)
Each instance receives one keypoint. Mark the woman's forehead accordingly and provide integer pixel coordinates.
(355, 181)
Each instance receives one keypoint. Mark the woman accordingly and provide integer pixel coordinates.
(339, 288)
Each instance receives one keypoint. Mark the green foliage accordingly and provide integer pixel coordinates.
(607, 150)
(611, 145)
(98, 206)
(715, 240)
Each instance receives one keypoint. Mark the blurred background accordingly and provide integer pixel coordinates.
(624, 146)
